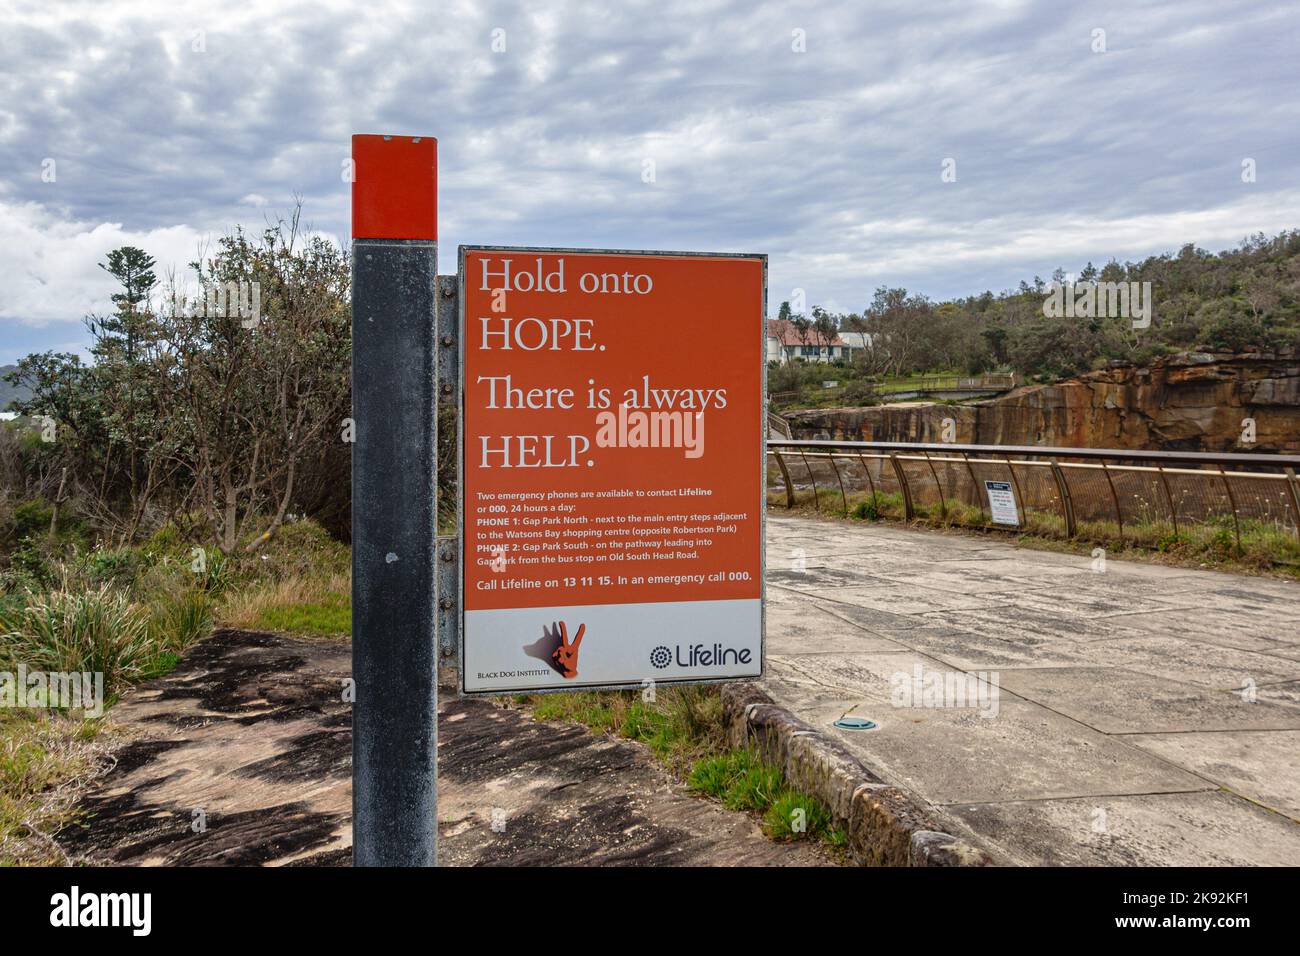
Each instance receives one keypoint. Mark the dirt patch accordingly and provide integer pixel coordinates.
(243, 756)
(521, 792)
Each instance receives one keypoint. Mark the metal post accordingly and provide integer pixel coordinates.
(875, 502)
(1169, 496)
(1119, 515)
(902, 484)
(785, 476)
(394, 494)
(1232, 500)
(975, 486)
(1067, 503)
(943, 508)
(813, 478)
(1022, 513)
(843, 496)
(1293, 490)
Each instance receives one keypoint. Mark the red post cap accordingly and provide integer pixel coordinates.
(394, 187)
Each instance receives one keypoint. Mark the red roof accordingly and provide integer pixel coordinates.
(785, 332)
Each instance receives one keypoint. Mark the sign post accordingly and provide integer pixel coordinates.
(394, 495)
(612, 468)
(1002, 502)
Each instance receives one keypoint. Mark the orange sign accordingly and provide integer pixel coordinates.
(612, 469)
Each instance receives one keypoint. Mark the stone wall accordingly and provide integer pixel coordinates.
(1189, 402)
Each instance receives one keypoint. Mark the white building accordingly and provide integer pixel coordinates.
(786, 344)
(855, 342)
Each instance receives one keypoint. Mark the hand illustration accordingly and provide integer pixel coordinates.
(566, 655)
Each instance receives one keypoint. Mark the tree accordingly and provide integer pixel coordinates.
(220, 425)
(133, 268)
(130, 365)
(825, 326)
(263, 403)
(899, 324)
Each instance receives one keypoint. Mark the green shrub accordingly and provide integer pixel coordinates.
(783, 817)
(98, 630)
(299, 549)
(178, 620)
(32, 518)
(756, 788)
(116, 566)
(868, 510)
(740, 779)
(713, 776)
(29, 564)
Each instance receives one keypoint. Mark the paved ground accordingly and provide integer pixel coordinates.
(1140, 715)
(243, 755)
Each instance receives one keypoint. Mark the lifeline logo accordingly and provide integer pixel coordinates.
(103, 909)
(697, 655)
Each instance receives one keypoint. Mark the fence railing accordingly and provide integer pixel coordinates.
(881, 390)
(950, 383)
(1144, 495)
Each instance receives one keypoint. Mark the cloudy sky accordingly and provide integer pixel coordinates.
(817, 133)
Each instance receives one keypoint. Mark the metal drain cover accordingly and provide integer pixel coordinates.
(855, 723)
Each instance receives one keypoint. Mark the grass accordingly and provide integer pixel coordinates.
(301, 583)
(100, 631)
(130, 613)
(45, 760)
(315, 605)
(683, 728)
(679, 726)
(742, 780)
(1264, 547)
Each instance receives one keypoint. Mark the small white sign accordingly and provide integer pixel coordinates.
(1002, 502)
(830, 384)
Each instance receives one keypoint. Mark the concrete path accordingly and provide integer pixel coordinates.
(1054, 713)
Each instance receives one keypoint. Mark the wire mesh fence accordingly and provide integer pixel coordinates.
(1150, 498)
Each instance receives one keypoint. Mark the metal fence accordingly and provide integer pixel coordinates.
(1068, 490)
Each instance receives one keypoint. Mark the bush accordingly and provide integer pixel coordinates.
(740, 779)
(32, 519)
(116, 566)
(99, 631)
(299, 549)
(868, 510)
(44, 759)
(177, 621)
(29, 565)
(791, 810)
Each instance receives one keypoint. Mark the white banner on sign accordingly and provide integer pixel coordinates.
(514, 649)
(1002, 502)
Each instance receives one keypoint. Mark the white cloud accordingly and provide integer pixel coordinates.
(827, 160)
(51, 264)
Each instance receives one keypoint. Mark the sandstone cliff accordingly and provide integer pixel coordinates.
(1194, 401)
